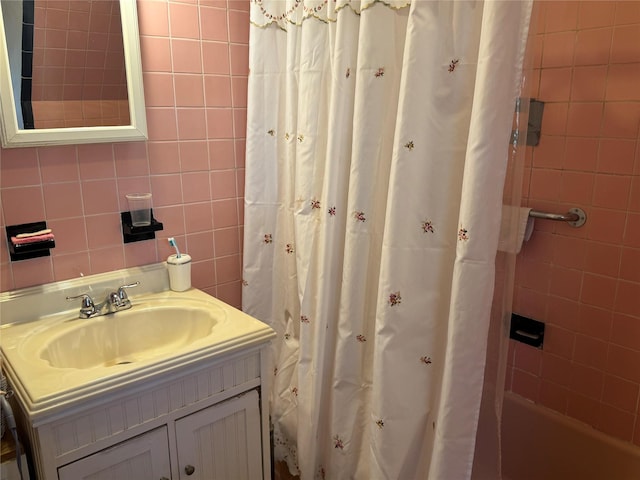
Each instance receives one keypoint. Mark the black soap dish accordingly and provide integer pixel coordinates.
(24, 251)
(136, 234)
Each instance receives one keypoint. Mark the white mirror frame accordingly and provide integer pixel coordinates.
(12, 136)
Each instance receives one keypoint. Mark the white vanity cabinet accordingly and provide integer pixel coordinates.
(205, 424)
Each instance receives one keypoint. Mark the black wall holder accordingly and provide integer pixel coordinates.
(25, 251)
(527, 330)
(137, 234)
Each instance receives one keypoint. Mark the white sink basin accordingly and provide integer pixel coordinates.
(128, 336)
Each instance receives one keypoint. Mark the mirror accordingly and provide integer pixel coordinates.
(70, 72)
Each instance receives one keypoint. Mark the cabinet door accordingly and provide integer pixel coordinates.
(145, 457)
(221, 442)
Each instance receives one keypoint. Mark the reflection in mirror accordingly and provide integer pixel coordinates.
(72, 64)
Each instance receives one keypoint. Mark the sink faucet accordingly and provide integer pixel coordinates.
(115, 301)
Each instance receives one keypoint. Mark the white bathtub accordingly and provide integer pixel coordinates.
(540, 444)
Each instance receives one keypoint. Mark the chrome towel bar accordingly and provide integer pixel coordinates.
(575, 217)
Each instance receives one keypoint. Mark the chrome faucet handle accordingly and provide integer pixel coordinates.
(87, 308)
(122, 295)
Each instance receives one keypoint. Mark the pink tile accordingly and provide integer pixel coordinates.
(625, 47)
(554, 396)
(526, 385)
(627, 12)
(530, 303)
(153, 18)
(173, 219)
(555, 84)
(554, 121)
(240, 122)
(616, 423)
(189, 90)
(627, 298)
(611, 191)
(622, 82)
(620, 393)
(606, 225)
(198, 217)
(603, 259)
(62, 200)
(191, 124)
(58, 164)
(239, 85)
(626, 331)
(239, 59)
(565, 283)
(590, 352)
(231, 293)
(583, 408)
(226, 242)
(621, 119)
(20, 168)
(581, 154)
(586, 381)
(6, 278)
(632, 232)
(595, 321)
(100, 196)
(569, 252)
(528, 359)
(533, 275)
(240, 176)
(161, 123)
(166, 189)
(594, 14)
(70, 235)
(598, 290)
(214, 23)
(71, 265)
(158, 89)
(589, 83)
(203, 274)
(558, 341)
(103, 230)
(238, 26)
(96, 161)
(623, 362)
(35, 271)
(184, 20)
(194, 156)
(200, 245)
(222, 154)
(155, 54)
(225, 213)
(216, 58)
(584, 119)
(560, 16)
(140, 253)
(186, 56)
(196, 187)
(576, 188)
(163, 157)
(556, 369)
(228, 269)
(22, 205)
(219, 123)
(592, 46)
(223, 184)
(131, 159)
(217, 91)
(629, 265)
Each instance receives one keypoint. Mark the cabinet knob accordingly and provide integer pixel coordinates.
(189, 469)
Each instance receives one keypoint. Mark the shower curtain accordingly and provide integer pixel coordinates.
(377, 145)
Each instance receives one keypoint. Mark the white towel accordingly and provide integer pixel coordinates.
(516, 227)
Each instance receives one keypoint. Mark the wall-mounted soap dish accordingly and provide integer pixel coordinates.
(137, 234)
(38, 246)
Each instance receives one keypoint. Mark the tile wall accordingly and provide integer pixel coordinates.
(195, 64)
(585, 283)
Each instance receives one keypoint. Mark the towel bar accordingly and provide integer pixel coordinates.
(576, 216)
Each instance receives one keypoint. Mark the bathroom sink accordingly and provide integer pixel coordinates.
(57, 360)
(128, 336)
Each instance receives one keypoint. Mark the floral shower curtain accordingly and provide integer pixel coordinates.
(376, 154)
